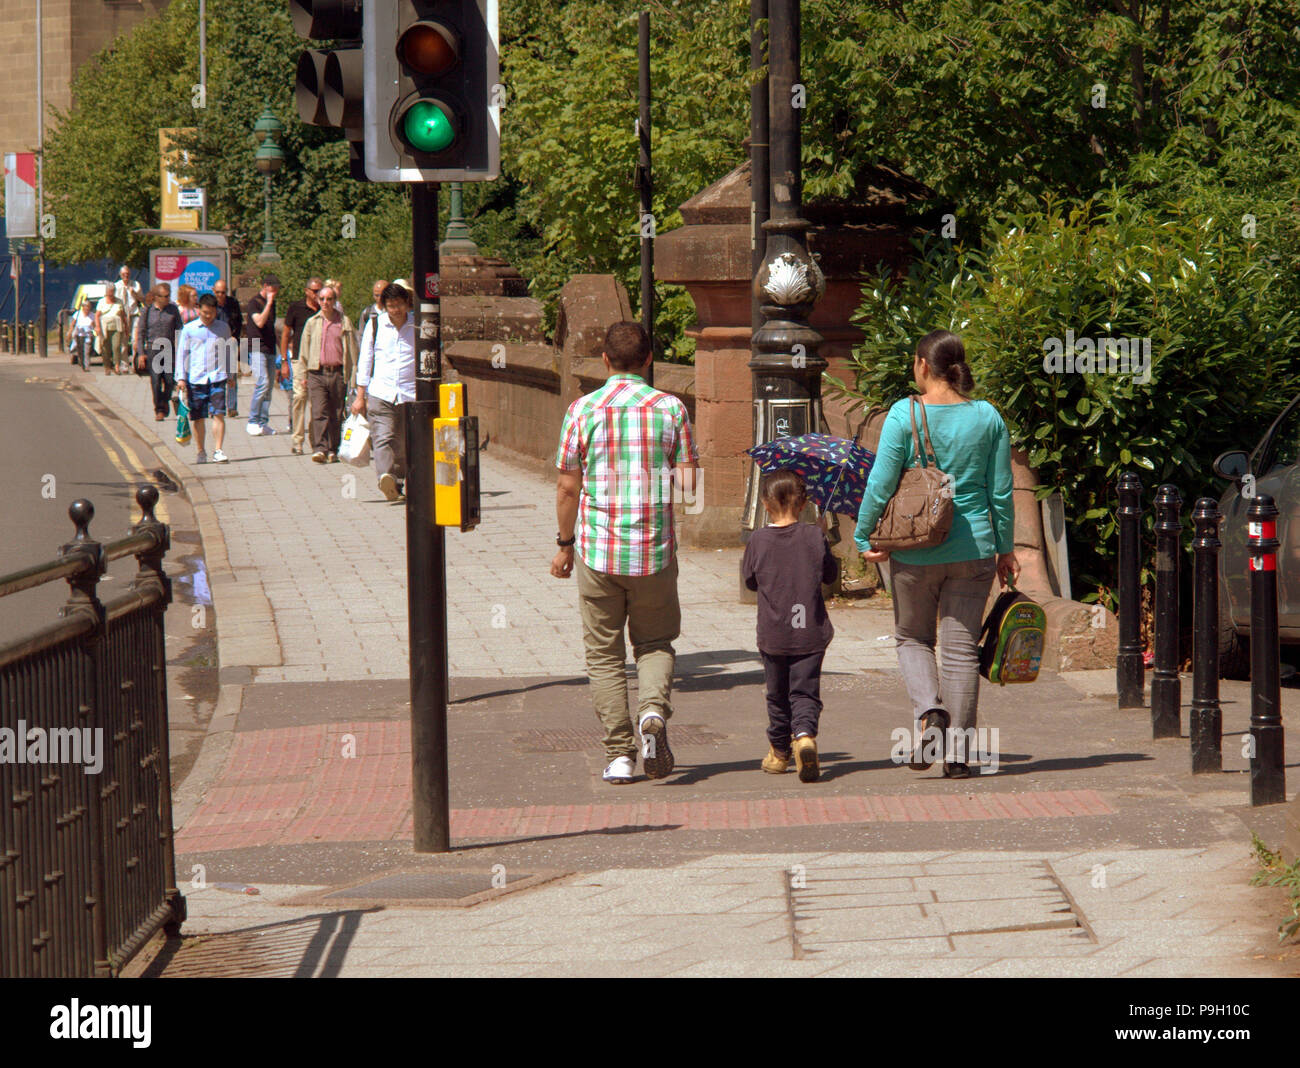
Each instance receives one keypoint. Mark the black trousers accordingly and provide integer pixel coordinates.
(163, 384)
(794, 696)
(325, 392)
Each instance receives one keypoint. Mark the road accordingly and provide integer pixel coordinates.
(59, 444)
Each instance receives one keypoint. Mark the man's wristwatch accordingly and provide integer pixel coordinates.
(562, 543)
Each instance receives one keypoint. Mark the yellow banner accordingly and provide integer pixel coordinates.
(174, 163)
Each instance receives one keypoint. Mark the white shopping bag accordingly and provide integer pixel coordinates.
(354, 448)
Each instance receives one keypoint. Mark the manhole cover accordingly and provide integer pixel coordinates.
(576, 739)
(433, 889)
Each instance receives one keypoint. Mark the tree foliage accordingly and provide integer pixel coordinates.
(102, 173)
(1193, 243)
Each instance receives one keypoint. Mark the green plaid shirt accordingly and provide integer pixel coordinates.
(626, 438)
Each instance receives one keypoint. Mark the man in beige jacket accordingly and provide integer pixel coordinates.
(329, 354)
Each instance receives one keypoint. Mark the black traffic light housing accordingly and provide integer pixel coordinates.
(432, 109)
(331, 81)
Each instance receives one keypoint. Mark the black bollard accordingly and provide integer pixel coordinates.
(1129, 670)
(1166, 689)
(1267, 750)
(1206, 715)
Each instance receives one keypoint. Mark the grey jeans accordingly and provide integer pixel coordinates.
(954, 595)
(387, 437)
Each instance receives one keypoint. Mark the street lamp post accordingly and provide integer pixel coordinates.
(269, 159)
(786, 365)
(459, 241)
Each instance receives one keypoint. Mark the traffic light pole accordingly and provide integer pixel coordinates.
(426, 563)
(646, 183)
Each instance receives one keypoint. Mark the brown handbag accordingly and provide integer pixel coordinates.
(919, 514)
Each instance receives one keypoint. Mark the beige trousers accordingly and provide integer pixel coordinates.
(298, 406)
(647, 606)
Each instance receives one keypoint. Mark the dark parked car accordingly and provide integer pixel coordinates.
(1274, 467)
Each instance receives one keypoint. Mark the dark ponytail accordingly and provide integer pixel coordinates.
(946, 357)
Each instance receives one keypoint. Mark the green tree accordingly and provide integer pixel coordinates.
(102, 173)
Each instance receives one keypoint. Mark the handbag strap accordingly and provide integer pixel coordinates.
(925, 426)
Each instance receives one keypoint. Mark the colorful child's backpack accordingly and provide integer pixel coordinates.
(1013, 639)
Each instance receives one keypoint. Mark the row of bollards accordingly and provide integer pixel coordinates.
(1266, 744)
(23, 342)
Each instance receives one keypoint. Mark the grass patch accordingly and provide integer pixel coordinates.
(1273, 871)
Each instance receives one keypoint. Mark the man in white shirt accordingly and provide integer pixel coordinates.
(386, 381)
(201, 366)
(131, 297)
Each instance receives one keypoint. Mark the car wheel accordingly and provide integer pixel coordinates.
(1234, 650)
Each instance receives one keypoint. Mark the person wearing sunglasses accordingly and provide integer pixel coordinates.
(295, 322)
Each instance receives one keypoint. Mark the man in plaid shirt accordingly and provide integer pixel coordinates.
(623, 451)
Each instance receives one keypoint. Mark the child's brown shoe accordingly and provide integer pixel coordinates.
(774, 763)
(805, 758)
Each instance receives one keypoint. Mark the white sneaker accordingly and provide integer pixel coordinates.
(268, 429)
(219, 457)
(655, 754)
(254, 429)
(201, 458)
(388, 487)
(620, 770)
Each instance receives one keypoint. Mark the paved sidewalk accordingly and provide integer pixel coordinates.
(1088, 850)
(330, 554)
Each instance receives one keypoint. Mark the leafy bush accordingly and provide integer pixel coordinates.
(1218, 311)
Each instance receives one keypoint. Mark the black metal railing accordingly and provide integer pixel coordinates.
(87, 856)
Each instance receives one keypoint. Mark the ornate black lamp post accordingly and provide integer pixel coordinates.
(786, 365)
(269, 159)
(458, 240)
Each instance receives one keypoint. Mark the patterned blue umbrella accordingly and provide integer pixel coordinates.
(835, 470)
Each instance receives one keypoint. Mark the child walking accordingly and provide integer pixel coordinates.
(787, 562)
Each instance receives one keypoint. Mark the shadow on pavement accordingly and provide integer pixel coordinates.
(315, 945)
(1099, 760)
(494, 843)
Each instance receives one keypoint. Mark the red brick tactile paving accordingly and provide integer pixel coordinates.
(293, 785)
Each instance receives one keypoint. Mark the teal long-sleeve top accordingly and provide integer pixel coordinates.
(972, 445)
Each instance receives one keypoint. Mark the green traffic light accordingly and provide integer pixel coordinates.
(427, 127)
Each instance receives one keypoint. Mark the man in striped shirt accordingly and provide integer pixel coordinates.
(624, 452)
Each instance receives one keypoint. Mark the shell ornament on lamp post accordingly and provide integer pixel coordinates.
(788, 280)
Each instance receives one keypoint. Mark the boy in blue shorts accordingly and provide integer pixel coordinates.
(201, 370)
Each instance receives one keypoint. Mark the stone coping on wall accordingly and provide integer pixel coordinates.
(537, 366)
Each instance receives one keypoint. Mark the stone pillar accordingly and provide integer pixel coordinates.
(710, 255)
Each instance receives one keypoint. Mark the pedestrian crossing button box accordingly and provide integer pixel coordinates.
(456, 472)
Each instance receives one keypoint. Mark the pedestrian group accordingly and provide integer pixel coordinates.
(618, 540)
(332, 366)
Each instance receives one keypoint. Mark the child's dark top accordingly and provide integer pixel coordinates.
(787, 566)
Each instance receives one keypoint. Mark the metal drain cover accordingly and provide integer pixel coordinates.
(430, 889)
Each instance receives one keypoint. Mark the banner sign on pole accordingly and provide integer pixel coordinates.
(175, 163)
(20, 194)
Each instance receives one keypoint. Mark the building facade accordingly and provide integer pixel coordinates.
(74, 30)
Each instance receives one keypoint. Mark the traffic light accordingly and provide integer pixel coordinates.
(331, 82)
(432, 112)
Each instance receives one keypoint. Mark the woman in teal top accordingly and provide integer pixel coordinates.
(948, 582)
